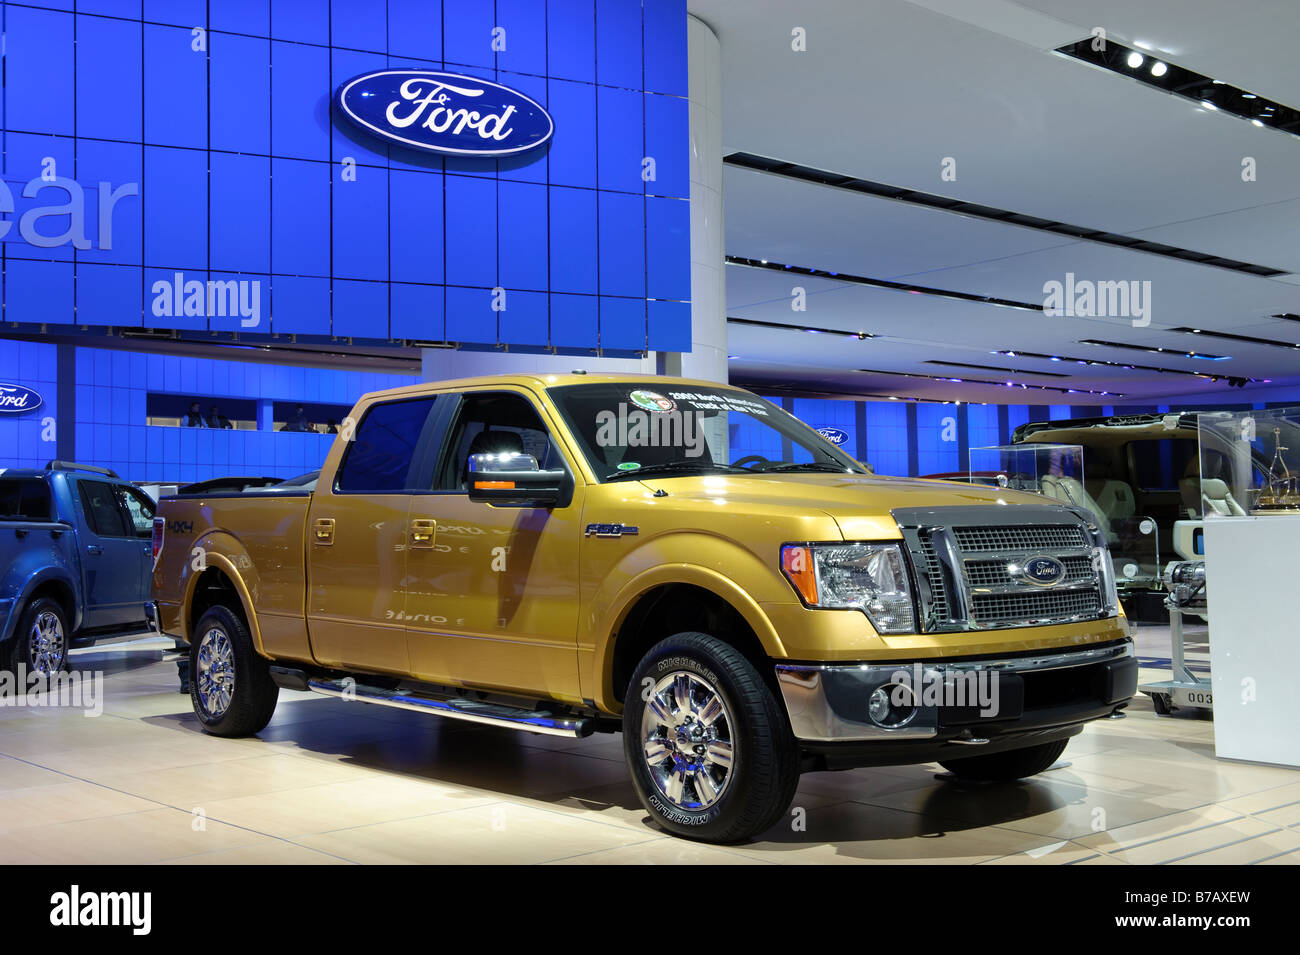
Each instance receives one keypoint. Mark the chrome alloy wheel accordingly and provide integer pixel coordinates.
(46, 644)
(215, 680)
(687, 739)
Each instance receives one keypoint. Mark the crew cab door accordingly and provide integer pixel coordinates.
(492, 601)
(358, 535)
(110, 558)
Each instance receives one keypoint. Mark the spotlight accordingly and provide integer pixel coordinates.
(1135, 60)
(1159, 69)
(1255, 122)
(1206, 104)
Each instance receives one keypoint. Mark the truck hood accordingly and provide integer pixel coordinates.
(859, 503)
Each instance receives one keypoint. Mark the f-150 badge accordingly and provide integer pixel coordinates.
(611, 530)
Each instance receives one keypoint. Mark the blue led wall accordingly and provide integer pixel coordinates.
(111, 428)
(196, 137)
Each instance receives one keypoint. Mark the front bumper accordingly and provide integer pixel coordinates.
(973, 705)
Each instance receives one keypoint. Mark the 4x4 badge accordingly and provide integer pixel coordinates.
(611, 530)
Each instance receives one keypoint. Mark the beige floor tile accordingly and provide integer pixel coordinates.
(1057, 853)
(21, 774)
(67, 801)
(493, 833)
(289, 813)
(664, 850)
(268, 853)
(1249, 850)
(199, 784)
(850, 832)
(129, 839)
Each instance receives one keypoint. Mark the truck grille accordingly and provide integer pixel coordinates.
(1025, 608)
(997, 573)
(970, 571)
(1003, 539)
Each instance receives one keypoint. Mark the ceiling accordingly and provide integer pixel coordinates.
(888, 89)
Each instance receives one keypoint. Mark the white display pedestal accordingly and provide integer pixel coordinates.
(1252, 569)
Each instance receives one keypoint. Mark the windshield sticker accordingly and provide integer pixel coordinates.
(702, 401)
(652, 401)
(629, 466)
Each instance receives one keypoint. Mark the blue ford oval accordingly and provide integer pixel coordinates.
(1044, 571)
(834, 435)
(17, 399)
(444, 112)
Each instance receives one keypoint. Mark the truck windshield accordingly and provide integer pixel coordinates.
(639, 429)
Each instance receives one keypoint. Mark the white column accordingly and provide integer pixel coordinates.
(708, 356)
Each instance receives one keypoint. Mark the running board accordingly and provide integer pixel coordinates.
(459, 708)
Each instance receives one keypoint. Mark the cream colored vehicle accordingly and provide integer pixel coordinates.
(681, 561)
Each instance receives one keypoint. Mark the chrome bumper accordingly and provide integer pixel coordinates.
(828, 703)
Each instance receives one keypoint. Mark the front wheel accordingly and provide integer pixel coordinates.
(230, 685)
(711, 754)
(1013, 764)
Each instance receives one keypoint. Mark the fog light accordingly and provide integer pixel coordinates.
(891, 706)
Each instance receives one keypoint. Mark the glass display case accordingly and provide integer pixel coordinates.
(1025, 467)
(1250, 462)
(1057, 471)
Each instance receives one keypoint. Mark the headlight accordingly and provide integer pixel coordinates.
(867, 577)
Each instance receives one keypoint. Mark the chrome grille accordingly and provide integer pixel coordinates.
(1021, 537)
(934, 572)
(969, 573)
(1044, 606)
(996, 573)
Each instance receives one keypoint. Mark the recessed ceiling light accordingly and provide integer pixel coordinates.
(1135, 60)
(1159, 69)
(1206, 104)
(1256, 122)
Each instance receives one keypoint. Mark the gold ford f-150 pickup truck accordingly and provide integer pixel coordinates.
(680, 560)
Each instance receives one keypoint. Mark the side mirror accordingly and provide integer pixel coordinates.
(510, 479)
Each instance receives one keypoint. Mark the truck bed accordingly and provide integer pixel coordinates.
(262, 544)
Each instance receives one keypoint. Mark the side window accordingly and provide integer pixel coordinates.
(103, 513)
(494, 422)
(138, 507)
(378, 459)
(25, 499)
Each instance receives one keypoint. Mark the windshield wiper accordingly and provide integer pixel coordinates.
(668, 467)
(809, 466)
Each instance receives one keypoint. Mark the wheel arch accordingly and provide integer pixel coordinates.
(219, 582)
(672, 599)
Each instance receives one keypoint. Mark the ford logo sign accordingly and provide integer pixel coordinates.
(1043, 571)
(15, 399)
(444, 112)
(834, 435)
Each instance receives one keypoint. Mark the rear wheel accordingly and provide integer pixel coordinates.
(40, 643)
(1013, 764)
(230, 685)
(710, 751)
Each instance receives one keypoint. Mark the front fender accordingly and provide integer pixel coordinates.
(643, 570)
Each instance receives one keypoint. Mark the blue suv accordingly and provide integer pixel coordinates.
(75, 562)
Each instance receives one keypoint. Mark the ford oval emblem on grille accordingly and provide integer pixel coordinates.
(1043, 571)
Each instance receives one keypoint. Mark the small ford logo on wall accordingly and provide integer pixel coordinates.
(444, 112)
(1043, 571)
(834, 435)
(15, 399)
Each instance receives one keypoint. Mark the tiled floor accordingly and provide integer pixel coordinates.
(332, 782)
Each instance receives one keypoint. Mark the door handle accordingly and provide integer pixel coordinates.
(323, 530)
(94, 549)
(422, 532)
